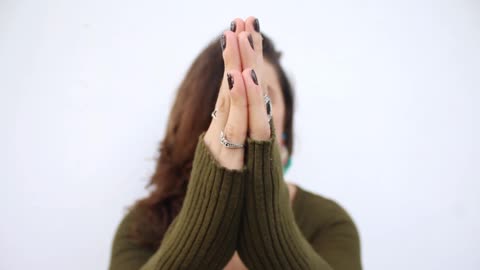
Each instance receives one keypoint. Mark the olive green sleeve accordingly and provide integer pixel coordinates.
(337, 240)
(204, 233)
(269, 236)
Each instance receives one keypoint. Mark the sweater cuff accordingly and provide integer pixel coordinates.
(204, 233)
(269, 236)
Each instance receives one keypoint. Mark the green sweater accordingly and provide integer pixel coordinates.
(247, 210)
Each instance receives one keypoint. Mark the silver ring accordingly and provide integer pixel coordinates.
(214, 113)
(268, 105)
(228, 144)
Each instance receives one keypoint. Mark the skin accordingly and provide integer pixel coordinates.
(241, 111)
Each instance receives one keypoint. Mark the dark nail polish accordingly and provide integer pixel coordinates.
(230, 81)
(233, 26)
(254, 76)
(250, 39)
(223, 42)
(256, 25)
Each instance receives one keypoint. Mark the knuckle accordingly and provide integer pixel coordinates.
(230, 131)
(234, 133)
(238, 100)
(222, 104)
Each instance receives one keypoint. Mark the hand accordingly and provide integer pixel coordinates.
(231, 106)
(240, 105)
(253, 66)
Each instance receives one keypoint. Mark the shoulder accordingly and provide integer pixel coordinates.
(122, 235)
(329, 228)
(314, 212)
(125, 252)
(127, 232)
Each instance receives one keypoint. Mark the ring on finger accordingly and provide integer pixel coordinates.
(214, 113)
(227, 143)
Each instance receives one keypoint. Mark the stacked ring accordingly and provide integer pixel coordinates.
(228, 144)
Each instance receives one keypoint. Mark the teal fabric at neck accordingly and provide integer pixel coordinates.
(287, 165)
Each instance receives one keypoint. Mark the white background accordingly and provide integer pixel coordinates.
(386, 120)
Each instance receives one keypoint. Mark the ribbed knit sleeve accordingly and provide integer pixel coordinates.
(204, 233)
(269, 237)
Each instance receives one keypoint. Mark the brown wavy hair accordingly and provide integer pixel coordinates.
(189, 117)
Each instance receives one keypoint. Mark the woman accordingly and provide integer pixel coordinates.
(219, 199)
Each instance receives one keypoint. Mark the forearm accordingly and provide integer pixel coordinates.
(203, 235)
(269, 237)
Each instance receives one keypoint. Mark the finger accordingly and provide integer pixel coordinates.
(235, 130)
(247, 50)
(230, 53)
(258, 122)
(252, 26)
(231, 59)
(237, 25)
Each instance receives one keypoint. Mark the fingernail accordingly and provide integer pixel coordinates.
(223, 42)
(233, 26)
(254, 76)
(256, 25)
(250, 39)
(230, 81)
